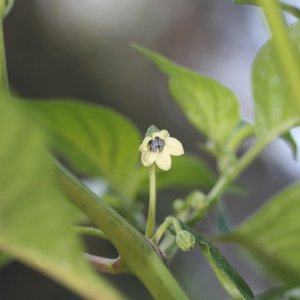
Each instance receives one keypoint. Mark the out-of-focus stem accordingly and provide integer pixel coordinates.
(150, 227)
(4, 88)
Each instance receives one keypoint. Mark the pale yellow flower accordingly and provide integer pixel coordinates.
(157, 147)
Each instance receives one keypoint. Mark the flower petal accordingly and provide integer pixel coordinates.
(163, 134)
(145, 144)
(148, 158)
(173, 146)
(163, 160)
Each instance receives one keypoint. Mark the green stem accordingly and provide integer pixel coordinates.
(239, 167)
(290, 9)
(286, 51)
(151, 220)
(286, 7)
(161, 230)
(4, 87)
(226, 179)
(91, 231)
(164, 226)
(141, 256)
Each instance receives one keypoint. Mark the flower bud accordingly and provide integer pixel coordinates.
(178, 205)
(185, 240)
(197, 200)
(151, 130)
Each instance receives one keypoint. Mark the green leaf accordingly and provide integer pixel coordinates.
(272, 235)
(288, 137)
(187, 171)
(231, 280)
(274, 110)
(242, 132)
(35, 227)
(96, 139)
(210, 106)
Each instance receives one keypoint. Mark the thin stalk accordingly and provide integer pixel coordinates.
(4, 87)
(161, 230)
(227, 178)
(164, 226)
(151, 220)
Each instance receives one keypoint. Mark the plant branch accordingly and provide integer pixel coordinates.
(138, 253)
(295, 11)
(227, 178)
(164, 226)
(91, 231)
(288, 60)
(4, 87)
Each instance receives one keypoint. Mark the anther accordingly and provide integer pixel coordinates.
(157, 144)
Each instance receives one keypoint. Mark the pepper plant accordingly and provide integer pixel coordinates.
(42, 203)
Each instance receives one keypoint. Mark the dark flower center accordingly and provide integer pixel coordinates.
(157, 144)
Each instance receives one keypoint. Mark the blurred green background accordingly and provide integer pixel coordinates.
(80, 49)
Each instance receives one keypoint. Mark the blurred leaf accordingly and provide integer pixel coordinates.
(272, 235)
(252, 2)
(35, 227)
(8, 5)
(242, 132)
(187, 171)
(228, 157)
(274, 110)
(231, 280)
(281, 294)
(288, 137)
(210, 106)
(4, 259)
(96, 139)
(223, 221)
